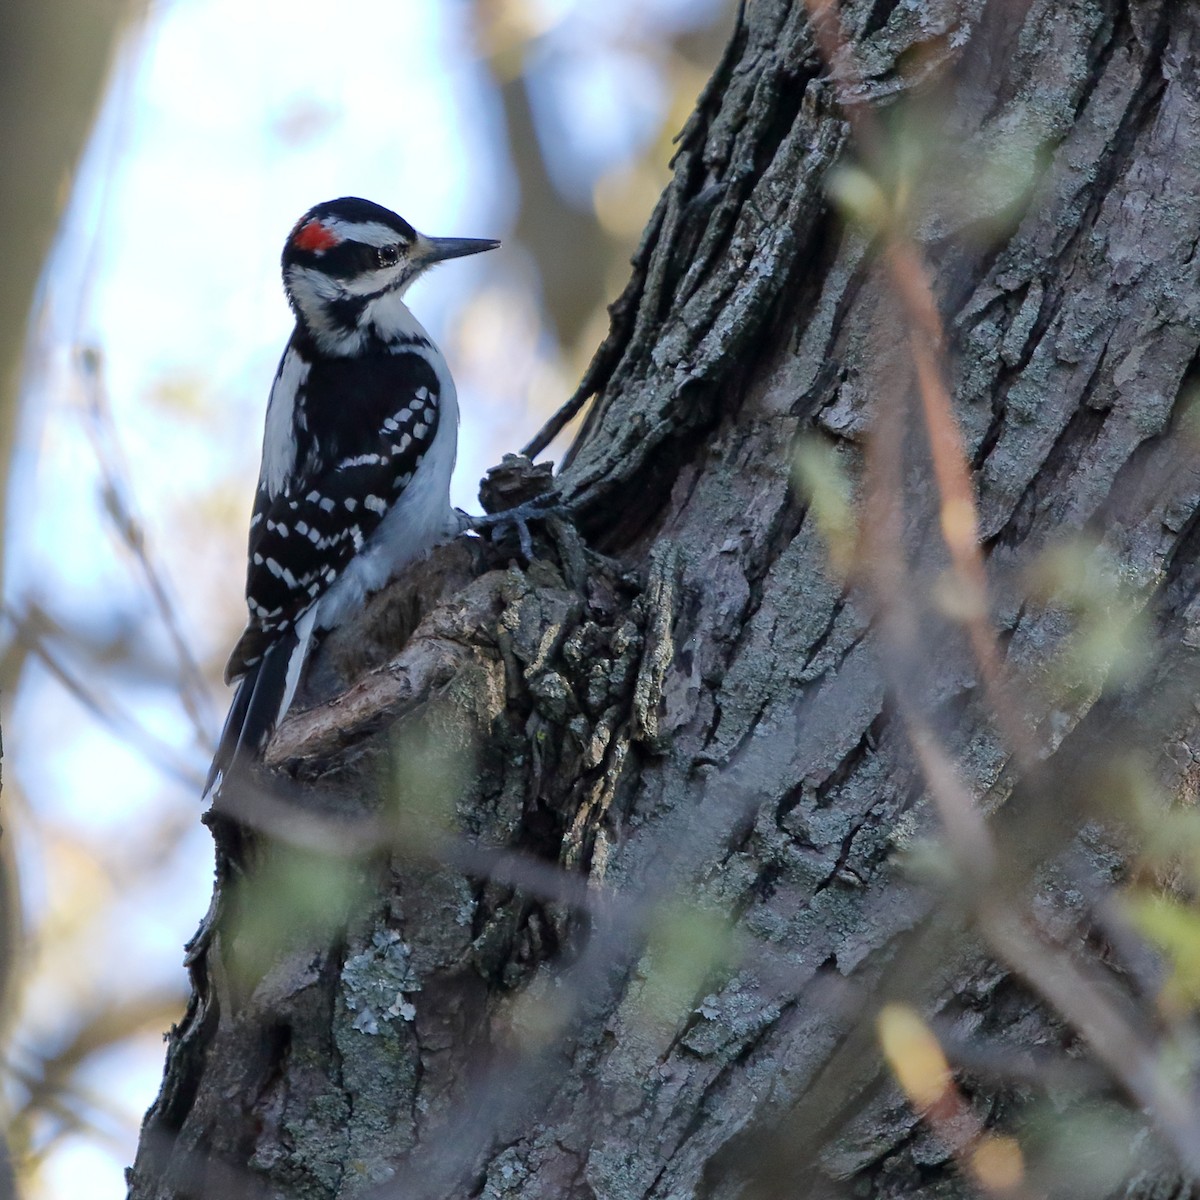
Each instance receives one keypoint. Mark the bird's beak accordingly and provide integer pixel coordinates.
(434, 250)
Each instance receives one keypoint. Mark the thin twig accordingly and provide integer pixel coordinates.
(1079, 997)
(557, 423)
(956, 494)
(952, 473)
(118, 490)
(121, 723)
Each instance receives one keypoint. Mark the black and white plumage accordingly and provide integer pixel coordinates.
(360, 441)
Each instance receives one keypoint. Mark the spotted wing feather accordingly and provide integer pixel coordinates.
(361, 427)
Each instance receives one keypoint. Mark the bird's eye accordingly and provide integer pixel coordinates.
(387, 256)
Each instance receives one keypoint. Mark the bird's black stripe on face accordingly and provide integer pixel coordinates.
(347, 260)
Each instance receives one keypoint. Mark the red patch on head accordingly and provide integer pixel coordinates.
(312, 235)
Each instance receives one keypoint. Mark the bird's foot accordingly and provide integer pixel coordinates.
(516, 519)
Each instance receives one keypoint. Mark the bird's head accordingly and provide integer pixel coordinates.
(344, 253)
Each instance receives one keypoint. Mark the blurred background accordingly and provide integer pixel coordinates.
(154, 159)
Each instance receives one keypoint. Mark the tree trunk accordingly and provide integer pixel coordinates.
(594, 873)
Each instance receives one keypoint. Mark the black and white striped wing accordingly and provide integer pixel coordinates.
(362, 427)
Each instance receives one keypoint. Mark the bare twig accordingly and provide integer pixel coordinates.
(50, 1082)
(558, 422)
(994, 1162)
(108, 714)
(118, 493)
(957, 511)
(1079, 995)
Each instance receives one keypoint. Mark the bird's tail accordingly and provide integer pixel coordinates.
(263, 696)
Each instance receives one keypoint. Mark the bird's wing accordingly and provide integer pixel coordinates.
(362, 427)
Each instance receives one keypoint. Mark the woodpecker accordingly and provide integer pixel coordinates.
(360, 440)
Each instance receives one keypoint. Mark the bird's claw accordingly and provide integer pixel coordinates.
(517, 518)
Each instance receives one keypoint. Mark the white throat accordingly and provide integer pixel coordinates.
(392, 319)
(386, 315)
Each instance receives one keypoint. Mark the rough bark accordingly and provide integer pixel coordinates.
(678, 703)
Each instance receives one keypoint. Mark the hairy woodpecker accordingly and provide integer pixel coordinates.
(360, 441)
